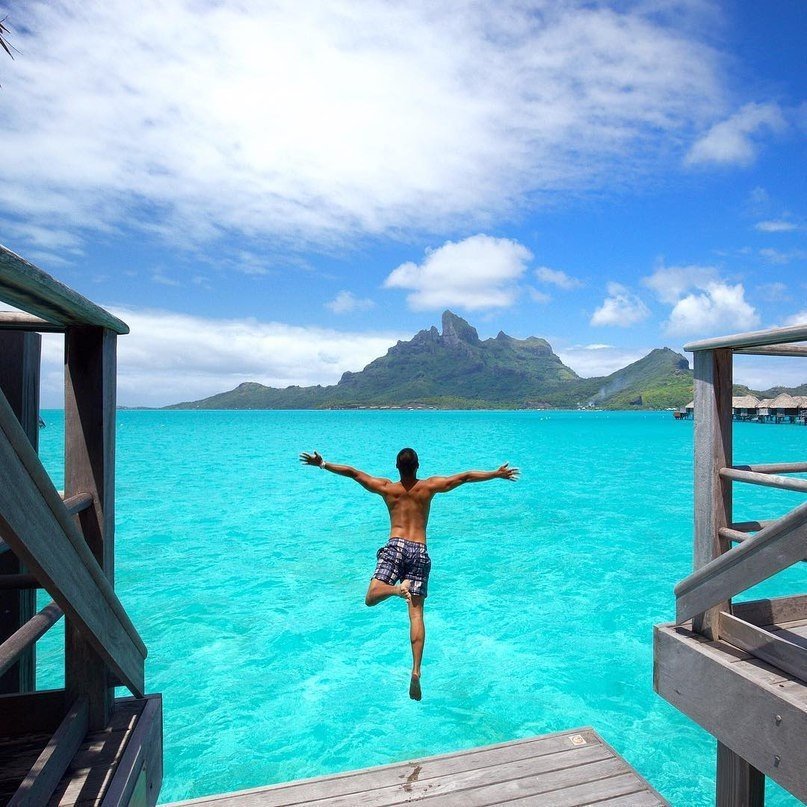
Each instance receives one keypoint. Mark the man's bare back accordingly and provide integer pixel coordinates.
(405, 557)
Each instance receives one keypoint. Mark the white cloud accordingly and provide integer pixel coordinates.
(170, 357)
(621, 308)
(300, 123)
(164, 280)
(539, 296)
(345, 302)
(669, 283)
(777, 256)
(717, 307)
(775, 292)
(557, 277)
(479, 272)
(732, 141)
(799, 318)
(776, 226)
(598, 360)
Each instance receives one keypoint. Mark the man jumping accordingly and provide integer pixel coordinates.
(404, 557)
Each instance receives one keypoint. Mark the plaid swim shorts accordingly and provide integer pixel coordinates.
(400, 559)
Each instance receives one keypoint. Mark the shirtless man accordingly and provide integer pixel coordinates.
(404, 557)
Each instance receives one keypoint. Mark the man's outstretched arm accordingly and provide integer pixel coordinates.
(442, 484)
(372, 483)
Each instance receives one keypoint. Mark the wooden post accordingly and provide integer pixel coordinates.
(89, 415)
(713, 385)
(738, 783)
(19, 381)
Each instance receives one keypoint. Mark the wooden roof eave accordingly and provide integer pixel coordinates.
(28, 288)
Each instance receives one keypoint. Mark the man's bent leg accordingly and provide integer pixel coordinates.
(417, 637)
(380, 591)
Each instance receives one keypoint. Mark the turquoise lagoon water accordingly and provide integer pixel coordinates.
(245, 573)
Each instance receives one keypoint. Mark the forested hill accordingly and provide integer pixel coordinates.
(456, 369)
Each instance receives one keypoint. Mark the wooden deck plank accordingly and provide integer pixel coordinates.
(574, 768)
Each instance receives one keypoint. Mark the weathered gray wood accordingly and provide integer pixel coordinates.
(20, 321)
(572, 768)
(774, 467)
(41, 532)
(78, 503)
(35, 628)
(141, 761)
(31, 712)
(765, 479)
(776, 610)
(769, 551)
(51, 764)
(770, 647)
(713, 451)
(90, 382)
(771, 336)
(19, 382)
(27, 287)
(760, 720)
(751, 526)
(774, 350)
(738, 784)
(736, 536)
(18, 582)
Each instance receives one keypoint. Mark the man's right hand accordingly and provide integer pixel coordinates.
(311, 459)
(506, 472)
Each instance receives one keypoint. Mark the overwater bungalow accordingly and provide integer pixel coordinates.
(744, 407)
(785, 408)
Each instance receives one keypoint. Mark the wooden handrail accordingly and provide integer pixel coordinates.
(35, 523)
(737, 536)
(20, 321)
(751, 526)
(29, 288)
(764, 479)
(46, 773)
(735, 341)
(35, 628)
(774, 468)
(78, 503)
(774, 350)
(778, 546)
(18, 582)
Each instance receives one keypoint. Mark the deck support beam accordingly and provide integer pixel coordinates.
(90, 371)
(739, 784)
(19, 382)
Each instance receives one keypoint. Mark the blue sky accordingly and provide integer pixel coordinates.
(279, 191)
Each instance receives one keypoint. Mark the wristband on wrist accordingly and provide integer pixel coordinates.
(322, 465)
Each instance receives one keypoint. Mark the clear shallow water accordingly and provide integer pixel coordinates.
(245, 573)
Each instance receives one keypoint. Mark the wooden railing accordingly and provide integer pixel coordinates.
(49, 534)
(777, 545)
(42, 532)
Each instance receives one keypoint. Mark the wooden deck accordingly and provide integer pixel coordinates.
(556, 770)
(118, 765)
(710, 680)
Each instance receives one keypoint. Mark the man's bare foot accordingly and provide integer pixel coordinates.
(414, 687)
(403, 590)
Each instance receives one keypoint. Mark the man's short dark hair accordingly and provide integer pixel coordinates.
(407, 461)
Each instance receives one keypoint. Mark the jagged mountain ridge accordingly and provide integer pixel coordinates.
(457, 369)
